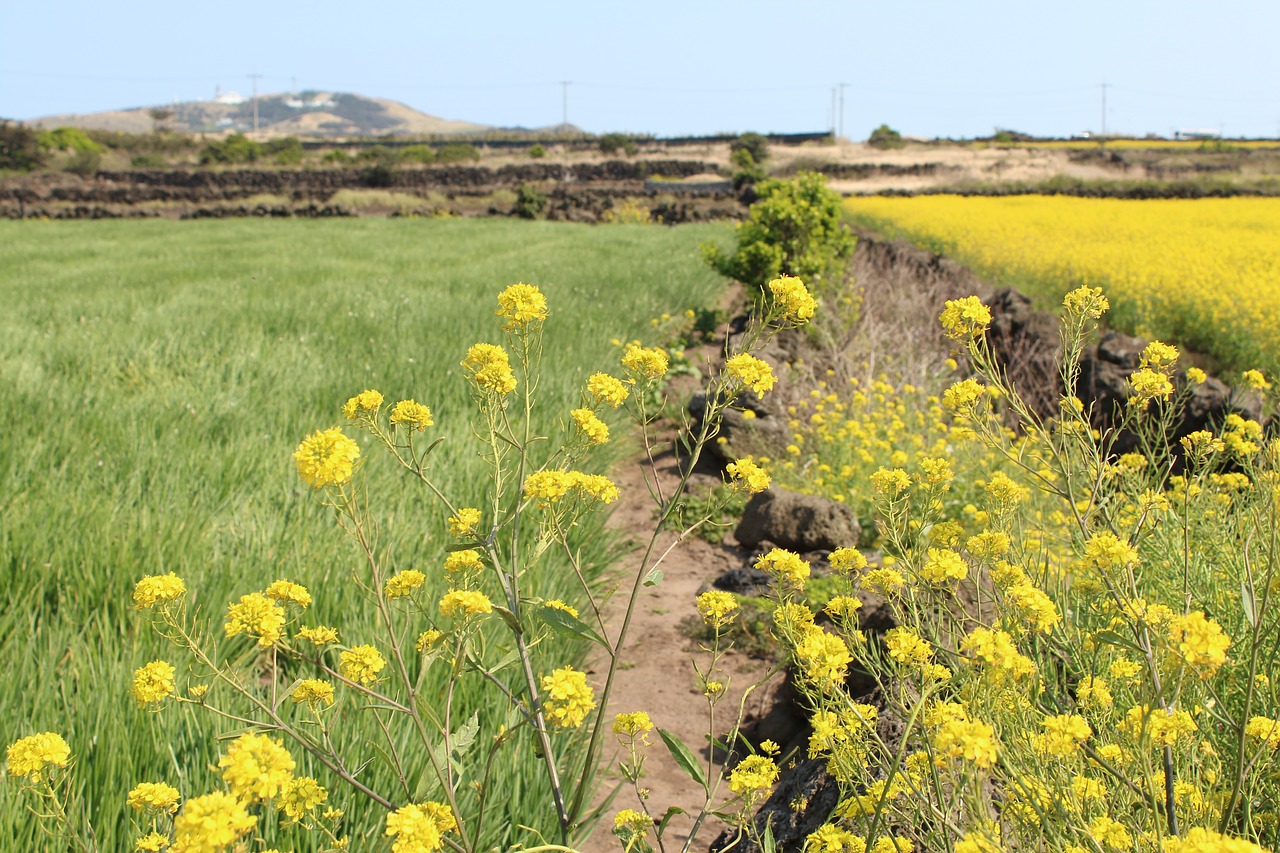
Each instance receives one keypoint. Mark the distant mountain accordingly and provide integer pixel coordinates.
(308, 113)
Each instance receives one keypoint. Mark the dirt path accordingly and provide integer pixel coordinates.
(657, 673)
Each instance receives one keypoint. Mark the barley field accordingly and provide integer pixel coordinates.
(158, 376)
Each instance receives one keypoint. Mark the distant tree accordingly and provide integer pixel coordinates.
(531, 202)
(885, 137)
(19, 148)
(160, 118)
(423, 154)
(537, 151)
(236, 148)
(611, 143)
(754, 144)
(457, 152)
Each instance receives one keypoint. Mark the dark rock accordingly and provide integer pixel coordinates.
(745, 581)
(759, 433)
(808, 782)
(1025, 342)
(798, 522)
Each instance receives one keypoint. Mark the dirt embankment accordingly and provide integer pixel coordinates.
(575, 191)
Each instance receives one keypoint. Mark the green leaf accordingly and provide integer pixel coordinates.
(1111, 638)
(510, 618)
(566, 623)
(768, 843)
(672, 811)
(653, 578)
(1246, 599)
(684, 757)
(465, 735)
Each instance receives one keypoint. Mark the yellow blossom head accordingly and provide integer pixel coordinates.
(326, 458)
(412, 414)
(792, 302)
(567, 698)
(33, 755)
(521, 305)
(489, 369)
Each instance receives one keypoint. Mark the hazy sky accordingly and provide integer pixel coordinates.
(926, 67)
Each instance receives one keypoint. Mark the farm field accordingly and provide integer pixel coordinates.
(1202, 273)
(159, 376)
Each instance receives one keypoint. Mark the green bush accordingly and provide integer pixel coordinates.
(336, 156)
(236, 148)
(753, 144)
(19, 148)
(885, 137)
(537, 151)
(68, 139)
(612, 143)
(531, 202)
(422, 154)
(794, 229)
(84, 163)
(747, 170)
(287, 151)
(457, 152)
(148, 161)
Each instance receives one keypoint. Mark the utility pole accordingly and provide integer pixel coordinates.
(833, 113)
(255, 78)
(843, 86)
(564, 86)
(1104, 109)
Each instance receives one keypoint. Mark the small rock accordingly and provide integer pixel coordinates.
(798, 522)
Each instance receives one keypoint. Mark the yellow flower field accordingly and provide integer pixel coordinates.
(1204, 273)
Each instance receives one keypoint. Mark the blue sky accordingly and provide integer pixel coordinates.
(926, 67)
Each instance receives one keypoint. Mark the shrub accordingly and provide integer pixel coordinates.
(611, 143)
(457, 152)
(793, 229)
(747, 171)
(236, 148)
(752, 143)
(84, 163)
(148, 161)
(537, 151)
(287, 151)
(68, 139)
(19, 148)
(531, 202)
(422, 154)
(337, 156)
(885, 137)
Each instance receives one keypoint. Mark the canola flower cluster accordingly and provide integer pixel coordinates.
(999, 567)
(1205, 272)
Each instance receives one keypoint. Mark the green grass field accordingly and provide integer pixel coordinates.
(158, 377)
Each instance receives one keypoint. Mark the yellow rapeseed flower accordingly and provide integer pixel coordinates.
(413, 414)
(153, 683)
(321, 635)
(157, 589)
(647, 363)
(255, 767)
(633, 723)
(313, 691)
(521, 305)
(717, 607)
(784, 565)
(965, 319)
(745, 474)
(30, 756)
(153, 795)
(607, 390)
(822, 658)
(326, 458)
(1266, 729)
(1062, 736)
(1199, 642)
(751, 372)
(792, 301)
(211, 823)
(488, 367)
(994, 649)
(300, 796)
(466, 560)
(465, 602)
(257, 616)
(592, 428)
(567, 698)
(403, 583)
(361, 664)
(290, 592)
(364, 404)
(753, 775)
(464, 523)
(944, 565)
